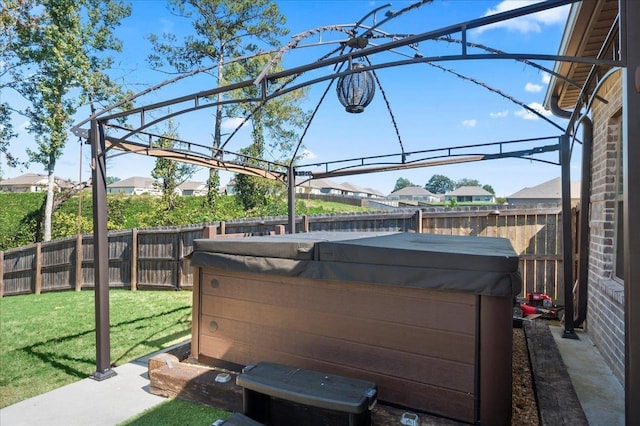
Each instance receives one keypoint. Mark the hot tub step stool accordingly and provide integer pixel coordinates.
(280, 395)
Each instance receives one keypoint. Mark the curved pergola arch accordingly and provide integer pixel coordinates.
(201, 100)
(275, 84)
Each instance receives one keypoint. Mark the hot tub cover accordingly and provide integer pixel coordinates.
(483, 265)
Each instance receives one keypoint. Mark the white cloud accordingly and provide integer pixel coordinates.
(529, 23)
(528, 115)
(533, 88)
(499, 114)
(470, 123)
(308, 155)
(231, 123)
(546, 78)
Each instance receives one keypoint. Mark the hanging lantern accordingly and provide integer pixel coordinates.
(356, 90)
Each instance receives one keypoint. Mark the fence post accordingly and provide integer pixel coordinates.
(38, 270)
(209, 231)
(223, 228)
(134, 259)
(1, 273)
(305, 223)
(419, 221)
(79, 262)
(179, 262)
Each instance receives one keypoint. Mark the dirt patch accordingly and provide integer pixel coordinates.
(524, 404)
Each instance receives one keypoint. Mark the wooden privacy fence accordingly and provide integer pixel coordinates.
(535, 234)
(157, 258)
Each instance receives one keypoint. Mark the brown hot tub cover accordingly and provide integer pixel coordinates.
(480, 265)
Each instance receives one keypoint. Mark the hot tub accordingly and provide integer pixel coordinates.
(428, 318)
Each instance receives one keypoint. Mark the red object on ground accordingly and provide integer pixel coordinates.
(540, 303)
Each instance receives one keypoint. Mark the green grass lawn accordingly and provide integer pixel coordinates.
(48, 340)
(177, 412)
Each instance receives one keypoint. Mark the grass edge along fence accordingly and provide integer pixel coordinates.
(157, 258)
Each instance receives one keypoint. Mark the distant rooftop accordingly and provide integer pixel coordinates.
(34, 179)
(466, 191)
(134, 182)
(412, 190)
(551, 189)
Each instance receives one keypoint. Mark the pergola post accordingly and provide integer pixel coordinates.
(100, 252)
(291, 179)
(630, 48)
(567, 238)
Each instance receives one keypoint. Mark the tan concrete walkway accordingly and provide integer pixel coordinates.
(599, 392)
(88, 402)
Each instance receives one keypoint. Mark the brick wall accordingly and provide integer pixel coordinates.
(605, 314)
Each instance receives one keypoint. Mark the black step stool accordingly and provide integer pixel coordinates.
(282, 395)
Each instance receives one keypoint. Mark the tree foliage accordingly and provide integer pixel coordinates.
(402, 183)
(489, 188)
(223, 29)
(19, 216)
(6, 134)
(440, 184)
(14, 23)
(63, 46)
(170, 173)
(467, 182)
(274, 128)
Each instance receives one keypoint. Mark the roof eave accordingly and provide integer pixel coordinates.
(554, 87)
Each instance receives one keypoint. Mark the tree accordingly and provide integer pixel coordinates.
(440, 184)
(251, 191)
(65, 47)
(489, 188)
(402, 183)
(14, 21)
(276, 121)
(6, 134)
(170, 173)
(223, 29)
(467, 182)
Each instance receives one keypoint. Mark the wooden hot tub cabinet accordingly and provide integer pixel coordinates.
(427, 318)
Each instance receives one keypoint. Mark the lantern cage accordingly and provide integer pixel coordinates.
(356, 90)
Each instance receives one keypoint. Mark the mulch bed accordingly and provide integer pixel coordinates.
(525, 406)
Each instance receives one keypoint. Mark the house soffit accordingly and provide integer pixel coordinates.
(589, 24)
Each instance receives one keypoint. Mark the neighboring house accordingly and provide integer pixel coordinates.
(470, 194)
(358, 191)
(549, 192)
(608, 120)
(321, 186)
(192, 188)
(32, 182)
(324, 187)
(135, 186)
(414, 193)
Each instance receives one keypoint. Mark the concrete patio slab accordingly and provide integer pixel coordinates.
(87, 402)
(600, 393)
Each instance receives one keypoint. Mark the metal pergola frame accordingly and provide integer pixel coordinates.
(193, 153)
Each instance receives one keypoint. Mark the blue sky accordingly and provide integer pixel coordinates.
(433, 108)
